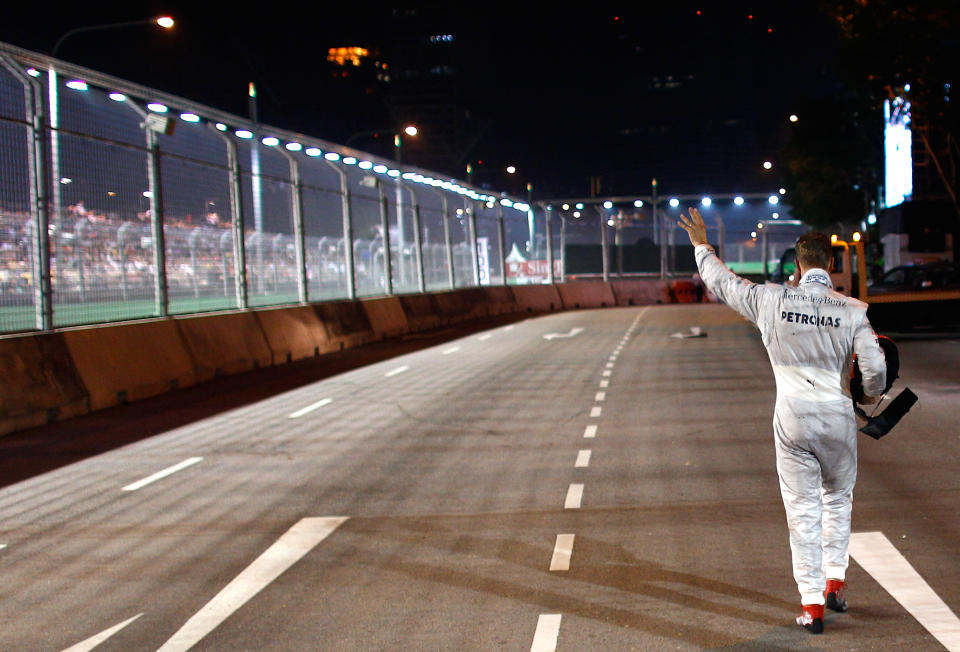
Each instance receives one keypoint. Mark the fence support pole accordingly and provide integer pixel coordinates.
(298, 234)
(236, 212)
(475, 255)
(347, 231)
(385, 228)
(39, 195)
(549, 233)
(603, 245)
(502, 245)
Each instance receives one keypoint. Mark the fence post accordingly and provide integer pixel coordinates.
(549, 233)
(298, 234)
(603, 244)
(502, 237)
(156, 220)
(236, 211)
(385, 238)
(347, 231)
(474, 254)
(39, 195)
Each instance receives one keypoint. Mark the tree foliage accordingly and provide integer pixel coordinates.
(834, 155)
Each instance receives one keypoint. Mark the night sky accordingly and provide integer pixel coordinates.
(698, 100)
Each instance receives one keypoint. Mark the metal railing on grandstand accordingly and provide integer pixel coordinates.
(118, 201)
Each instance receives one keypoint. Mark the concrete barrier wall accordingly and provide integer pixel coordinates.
(226, 343)
(39, 382)
(537, 298)
(586, 294)
(130, 361)
(293, 333)
(386, 316)
(640, 292)
(59, 375)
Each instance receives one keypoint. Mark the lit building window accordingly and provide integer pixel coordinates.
(347, 55)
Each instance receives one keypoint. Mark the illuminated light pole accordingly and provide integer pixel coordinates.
(53, 119)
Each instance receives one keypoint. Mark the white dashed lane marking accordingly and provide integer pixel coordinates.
(583, 459)
(451, 350)
(398, 370)
(548, 631)
(562, 551)
(595, 411)
(574, 497)
(600, 396)
(310, 408)
(170, 470)
(590, 431)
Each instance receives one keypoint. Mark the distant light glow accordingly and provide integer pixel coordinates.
(897, 151)
(147, 194)
(66, 180)
(706, 202)
(33, 72)
(776, 216)
(674, 202)
(872, 218)
(753, 234)
(77, 85)
(332, 156)
(576, 213)
(165, 22)
(313, 151)
(767, 165)
(365, 165)
(411, 130)
(856, 236)
(117, 97)
(393, 173)
(793, 117)
(608, 205)
(738, 200)
(579, 207)
(511, 169)
(156, 107)
(380, 169)
(190, 117)
(243, 133)
(565, 207)
(506, 202)
(610, 222)
(638, 203)
(350, 160)
(221, 127)
(773, 199)
(270, 141)
(833, 237)
(293, 147)
(783, 191)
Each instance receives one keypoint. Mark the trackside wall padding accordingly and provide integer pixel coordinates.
(130, 361)
(226, 343)
(293, 333)
(38, 382)
(586, 294)
(537, 298)
(421, 311)
(346, 322)
(386, 316)
(499, 300)
(640, 292)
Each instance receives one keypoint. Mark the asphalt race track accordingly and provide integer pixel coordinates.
(579, 481)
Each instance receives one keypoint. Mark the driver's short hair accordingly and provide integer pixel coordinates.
(814, 249)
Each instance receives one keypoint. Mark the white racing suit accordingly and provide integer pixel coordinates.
(811, 334)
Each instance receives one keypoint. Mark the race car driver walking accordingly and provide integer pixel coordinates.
(811, 333)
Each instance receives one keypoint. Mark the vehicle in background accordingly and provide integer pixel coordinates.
(917, 278)
(845, 275)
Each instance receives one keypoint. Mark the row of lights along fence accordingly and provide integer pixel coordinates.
(124, 202)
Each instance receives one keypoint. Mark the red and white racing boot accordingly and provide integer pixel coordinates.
(812, 618)
(835, 595)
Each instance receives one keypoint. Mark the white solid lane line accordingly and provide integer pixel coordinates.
(94, 641)
(595, 411)
(600, 397)
(590, 432)
(574, 497)
(170, 470)
(562, 552)
(874, 552)
(548, 631)
(485, 337)
(310, 408)
(451, 350)
(288, 550)
(398, 370)
(583, 459)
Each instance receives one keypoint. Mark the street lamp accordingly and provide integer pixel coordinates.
(166, 22)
